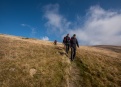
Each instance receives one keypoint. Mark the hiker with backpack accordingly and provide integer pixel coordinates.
(73, 44)
(55, 42)
(66, 42)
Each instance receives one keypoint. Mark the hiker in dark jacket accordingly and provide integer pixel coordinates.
(66, 42)
(55, 42)
(73, 43)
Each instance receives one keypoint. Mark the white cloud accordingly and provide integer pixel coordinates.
(55, 21)
(33, 30)
(45, 38)
(100, 27)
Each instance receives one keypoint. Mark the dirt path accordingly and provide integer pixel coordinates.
(73, 73)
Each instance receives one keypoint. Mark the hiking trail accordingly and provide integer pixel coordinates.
(73, 73)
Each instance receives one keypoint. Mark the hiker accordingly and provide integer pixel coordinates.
(66, 42)
(73, 43)
(55, 42)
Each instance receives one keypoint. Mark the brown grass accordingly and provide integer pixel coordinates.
(99, 67)
(26, 62)
(31, 63)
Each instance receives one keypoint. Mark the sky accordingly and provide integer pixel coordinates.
(95, 22)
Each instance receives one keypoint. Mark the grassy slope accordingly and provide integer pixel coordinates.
(31, 63)
(34, 63)
(98, 67)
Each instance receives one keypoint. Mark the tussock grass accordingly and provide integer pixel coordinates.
(36, 63)
(97, 68)
(26, 63)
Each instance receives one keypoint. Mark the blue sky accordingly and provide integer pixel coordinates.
(96, 22)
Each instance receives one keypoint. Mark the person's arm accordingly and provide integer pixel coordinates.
(77, 43)
(71, 42)
(69, 38)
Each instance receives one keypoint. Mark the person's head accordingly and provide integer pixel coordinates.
(74, 35)
(68, 35)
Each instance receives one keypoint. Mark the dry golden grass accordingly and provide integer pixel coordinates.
(26, 62)
(99, 67)
(31, 63)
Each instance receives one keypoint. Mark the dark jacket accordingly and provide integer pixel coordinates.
(74, 42)
(55, 42)
(66, 40)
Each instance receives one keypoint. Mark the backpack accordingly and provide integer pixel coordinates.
(64, 40)
(67, 39)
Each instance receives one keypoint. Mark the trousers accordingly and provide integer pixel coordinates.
(73, 53)
(67, 48)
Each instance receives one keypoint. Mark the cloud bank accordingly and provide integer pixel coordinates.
(45, 38)
(100, 27)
